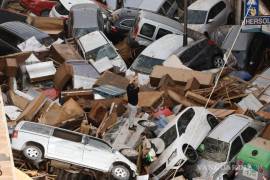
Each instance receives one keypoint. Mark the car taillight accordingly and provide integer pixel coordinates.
(211, 42)
(114, 29)
(15, 134)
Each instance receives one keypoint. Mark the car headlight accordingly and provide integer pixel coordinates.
(172, 156)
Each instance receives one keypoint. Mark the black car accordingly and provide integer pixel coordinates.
(202, 55)
(84, 19)
(15, 32)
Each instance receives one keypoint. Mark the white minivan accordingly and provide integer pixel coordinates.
(38, 141)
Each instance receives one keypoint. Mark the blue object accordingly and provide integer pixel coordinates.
(252, 8)
(244, 75)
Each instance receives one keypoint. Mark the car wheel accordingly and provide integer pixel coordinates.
(131, 154)
(33, 152)
(147, 124)
(120, 172)
(218, 62)
(45, 13)
(191, 154)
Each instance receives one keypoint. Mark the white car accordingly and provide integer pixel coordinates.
(222, 145)
(155, 54)
(182, 137)
(207, 15)
(95, 47)
(62, 8)
(38, 141)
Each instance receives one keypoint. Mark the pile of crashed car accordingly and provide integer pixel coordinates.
(65, 66)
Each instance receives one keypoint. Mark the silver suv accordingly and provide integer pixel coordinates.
(38, 141)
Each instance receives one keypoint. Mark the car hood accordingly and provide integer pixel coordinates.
(207, 168)
(197, 27)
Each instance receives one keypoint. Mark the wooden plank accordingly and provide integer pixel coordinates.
(198, 98)
(6, 157)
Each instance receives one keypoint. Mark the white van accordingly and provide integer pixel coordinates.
(149, 27)
(156, 53)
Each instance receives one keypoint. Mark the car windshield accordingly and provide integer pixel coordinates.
(101, 52)
(145, 64)
(215, 150)
(61, 9)
(196, 16)
(97, 144)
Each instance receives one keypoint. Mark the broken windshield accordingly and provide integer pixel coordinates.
(145, 64)
(196, 16)
(215, 150)
(101, 52)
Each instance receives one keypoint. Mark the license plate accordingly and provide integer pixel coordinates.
(250, 173)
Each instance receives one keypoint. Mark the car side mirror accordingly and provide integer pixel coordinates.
(210, 20)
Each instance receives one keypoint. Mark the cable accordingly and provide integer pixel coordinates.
(216, 82)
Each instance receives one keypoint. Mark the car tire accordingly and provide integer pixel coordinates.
(45, 13)
(131, 154)
(218, 61)
(147, 124)
(33, 153)
(191, 154)
(120, 172)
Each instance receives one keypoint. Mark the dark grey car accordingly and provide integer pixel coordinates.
(15, 32)
(83, 19)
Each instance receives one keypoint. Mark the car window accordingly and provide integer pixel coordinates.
(236, 147)
(148, 30)
(162, 32)
(216, 10)
(97, 144)
(61, 9)
(38, 128)
(248, 134)
(127, 23)
(169, 136)
(67, 135)
(166, 6)
(212, 120)
(184, 120)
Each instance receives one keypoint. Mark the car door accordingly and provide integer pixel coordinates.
(216, 16)
(97, 154)
(66, 145)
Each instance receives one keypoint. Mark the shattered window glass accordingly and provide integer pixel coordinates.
(169, 136)
(101, 52)
(215, 150)
(148, 30)
(145, 64)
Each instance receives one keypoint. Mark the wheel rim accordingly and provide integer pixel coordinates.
(218, 62)
(148, 124)
(32, 152)
(120, 172)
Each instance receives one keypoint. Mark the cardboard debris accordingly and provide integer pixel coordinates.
(53, 114)
(266, 132)
(19, 101)
(180, 76)
(97, 114)
(250, 103)
(73, 109)
(41, 71)
(109, 78)
(64, 52)
(199, 99)
(192, 84)
(181, 99)
(150, 99)
(32, 108)
(11, 67)
(77, 94)
(63, 74)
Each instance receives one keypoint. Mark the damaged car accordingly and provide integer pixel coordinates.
(37, 142)
(219, 149)
(182, 136)
(95, 46)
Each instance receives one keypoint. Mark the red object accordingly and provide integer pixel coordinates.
(211, 42)
(38, 6)
(15, 134)
(163, 111)
(51, 93)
